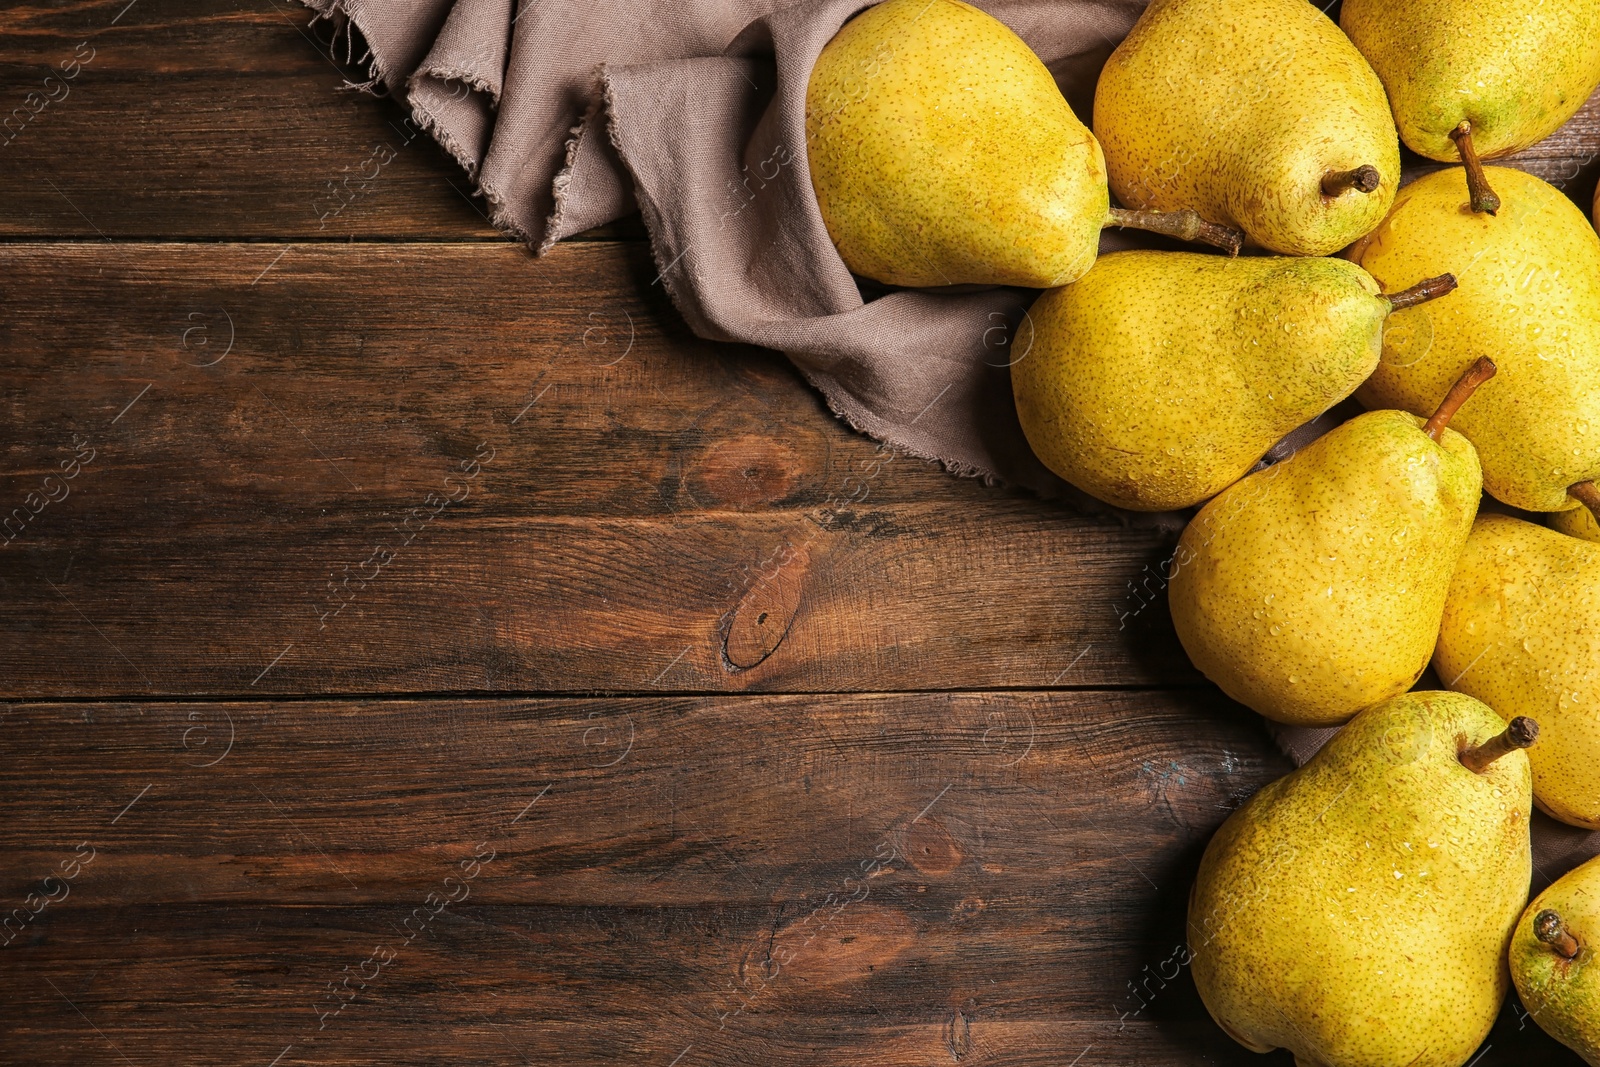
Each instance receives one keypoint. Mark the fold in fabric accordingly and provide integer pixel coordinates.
(569, 114)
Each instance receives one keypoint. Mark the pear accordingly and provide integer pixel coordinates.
(942, 152)
(1529, 296)
(1313, 589)
(1576, 522)
(1258, 114)
(1158, 379)
(1553, 960)
(1357, 911)
(1479, 78)
(1521, 632)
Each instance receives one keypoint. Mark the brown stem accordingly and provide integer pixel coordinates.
(1548, 927)
(1186, 225)
(1587, 494)
(1480, 372)
(1363, 180)
(1519, 733)
(1483, 197)
(1425, 290)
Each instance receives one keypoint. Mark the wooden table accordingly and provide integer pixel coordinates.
(416, 652)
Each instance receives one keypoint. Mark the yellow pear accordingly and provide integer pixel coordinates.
(1313, 589)
(1553, 960)
(1158, 379)
(1258, 114)
(1357, 911)
(942, 152)
(1576, 522)
(1521, 632)
(1471, 78)
(1529, 297)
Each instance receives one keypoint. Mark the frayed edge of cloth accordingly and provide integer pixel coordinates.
(563, 179)
(431, 125)
(459, 74)
(337, 14)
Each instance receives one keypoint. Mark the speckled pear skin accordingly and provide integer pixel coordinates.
(942, 152)
(1513, 68)
(1521, 632)
(1563, 996)
(1357, 911)
(1528, 298)
(1313, 589)
(1158, 379)
(1238, 108)
(1575, 522)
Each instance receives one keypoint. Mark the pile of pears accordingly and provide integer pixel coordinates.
(1370, 909)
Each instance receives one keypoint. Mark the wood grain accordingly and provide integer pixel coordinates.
(232, 123)
(381, 468)
(621, 802)
(897, 879)
(592, 987)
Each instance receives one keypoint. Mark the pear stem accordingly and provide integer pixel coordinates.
(1521, 732)
(1425, 290)
(1364, 179)
(1186, 225)
(1548, 927)
(1483, 197)
(1480, 372)
(1587, 494)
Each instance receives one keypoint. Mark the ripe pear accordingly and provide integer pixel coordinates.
(1576, 522)
(1529, 296)
(1521, 632)
(1158, 379)
(1357, 911)
(1553, 960)
(1510, 70)
(1313, 589)
(1258, 114)
(942, 152)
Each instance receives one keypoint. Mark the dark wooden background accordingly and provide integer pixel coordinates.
(637, 748)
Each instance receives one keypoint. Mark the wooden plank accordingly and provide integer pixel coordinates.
(770, 879)
(380, 468)
(587, 987)
(560, 606)
(219, 123)
(239, 129)
(626, 802)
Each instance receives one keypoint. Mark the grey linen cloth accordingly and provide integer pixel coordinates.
(570, 114)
